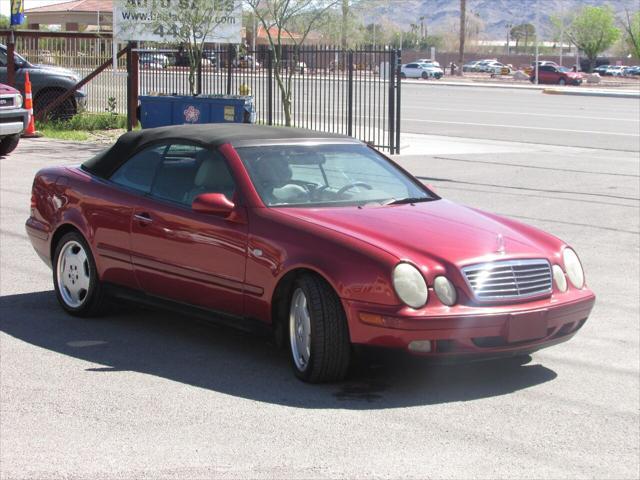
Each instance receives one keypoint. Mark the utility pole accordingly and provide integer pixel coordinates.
(536, 40)
(374, 36)
(253, 41)
(345, 14)
(463, 21)
(561, 32)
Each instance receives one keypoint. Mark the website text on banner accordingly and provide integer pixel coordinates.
(137, 20)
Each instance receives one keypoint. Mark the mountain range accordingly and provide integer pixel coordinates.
(496, 15)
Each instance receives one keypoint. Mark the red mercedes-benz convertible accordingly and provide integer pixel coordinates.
(318, 237)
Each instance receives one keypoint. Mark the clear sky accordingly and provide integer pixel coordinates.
(5, 5)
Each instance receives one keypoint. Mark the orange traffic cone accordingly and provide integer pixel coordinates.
(30, 132)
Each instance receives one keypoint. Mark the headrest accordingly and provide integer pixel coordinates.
(210, 168)
(272, 169)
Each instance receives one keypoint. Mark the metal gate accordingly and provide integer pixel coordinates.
(353, 92)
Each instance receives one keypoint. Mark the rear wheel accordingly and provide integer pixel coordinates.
(318, 332)
(562, 81)
(9, 143)
(403, 75)
(425, 75)
(75, 277)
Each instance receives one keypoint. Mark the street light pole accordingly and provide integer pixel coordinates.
(537, 49)
(561, 31)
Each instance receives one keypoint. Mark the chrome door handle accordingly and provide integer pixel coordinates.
(143, 217)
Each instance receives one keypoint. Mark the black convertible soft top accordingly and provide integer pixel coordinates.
(208, 135)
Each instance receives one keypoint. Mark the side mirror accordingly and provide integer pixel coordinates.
(213, 204)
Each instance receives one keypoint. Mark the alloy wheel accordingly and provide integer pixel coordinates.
(74, 275)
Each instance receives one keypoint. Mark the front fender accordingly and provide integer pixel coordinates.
(279, 245)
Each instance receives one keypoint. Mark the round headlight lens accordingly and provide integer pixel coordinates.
(445, 290)
(410, 285)
(18, 101)
(559, 278)
(573, 267)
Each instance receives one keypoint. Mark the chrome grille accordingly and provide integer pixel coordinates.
(509, 279)
(7, 101)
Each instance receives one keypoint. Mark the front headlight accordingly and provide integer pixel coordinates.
(573, 267)
(18, 101)
(410, 285)
(445, 290)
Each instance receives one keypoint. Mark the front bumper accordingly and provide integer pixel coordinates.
(13, 121)
(473, 332)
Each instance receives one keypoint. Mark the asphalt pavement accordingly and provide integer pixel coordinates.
(609, 124)
(143, 394)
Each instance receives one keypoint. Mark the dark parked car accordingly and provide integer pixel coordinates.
(631, 71)
(601, 70)
(48, 82)
(13, 118)
(181, 58)
(556, 75)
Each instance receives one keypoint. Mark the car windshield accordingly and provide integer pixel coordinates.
(328, 175)
(563, 69)
(18, 59)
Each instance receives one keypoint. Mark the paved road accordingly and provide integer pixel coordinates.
(152, 395)
(427, 108)
(522, 116)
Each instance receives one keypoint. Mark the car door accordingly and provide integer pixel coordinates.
(109, 209)
(412, 70)
(186, 256)
(547, 74)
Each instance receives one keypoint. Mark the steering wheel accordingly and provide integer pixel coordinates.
(354, 184)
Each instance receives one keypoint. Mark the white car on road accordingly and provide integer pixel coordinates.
(420, 70)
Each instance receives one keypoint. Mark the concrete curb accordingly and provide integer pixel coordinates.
(543, 88)
(472, 84)
(591, 93)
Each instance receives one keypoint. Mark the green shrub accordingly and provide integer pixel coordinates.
(86, 121)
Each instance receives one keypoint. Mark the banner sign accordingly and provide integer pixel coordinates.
(17, 12)
(162, 20)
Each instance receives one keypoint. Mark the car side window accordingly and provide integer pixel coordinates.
(412, 65)
(138, 172)
(187, 171)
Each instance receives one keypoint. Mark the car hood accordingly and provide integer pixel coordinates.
(440, 231)
(5, 89)
(52, 69)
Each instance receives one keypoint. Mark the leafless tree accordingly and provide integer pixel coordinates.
(279, 18)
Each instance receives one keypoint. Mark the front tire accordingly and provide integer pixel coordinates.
(318, 332)
(9, 143)
(75, 277)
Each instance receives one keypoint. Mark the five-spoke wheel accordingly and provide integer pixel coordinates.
(75, 277)
(73, 274)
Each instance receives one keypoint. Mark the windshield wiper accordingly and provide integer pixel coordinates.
(399, 201)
